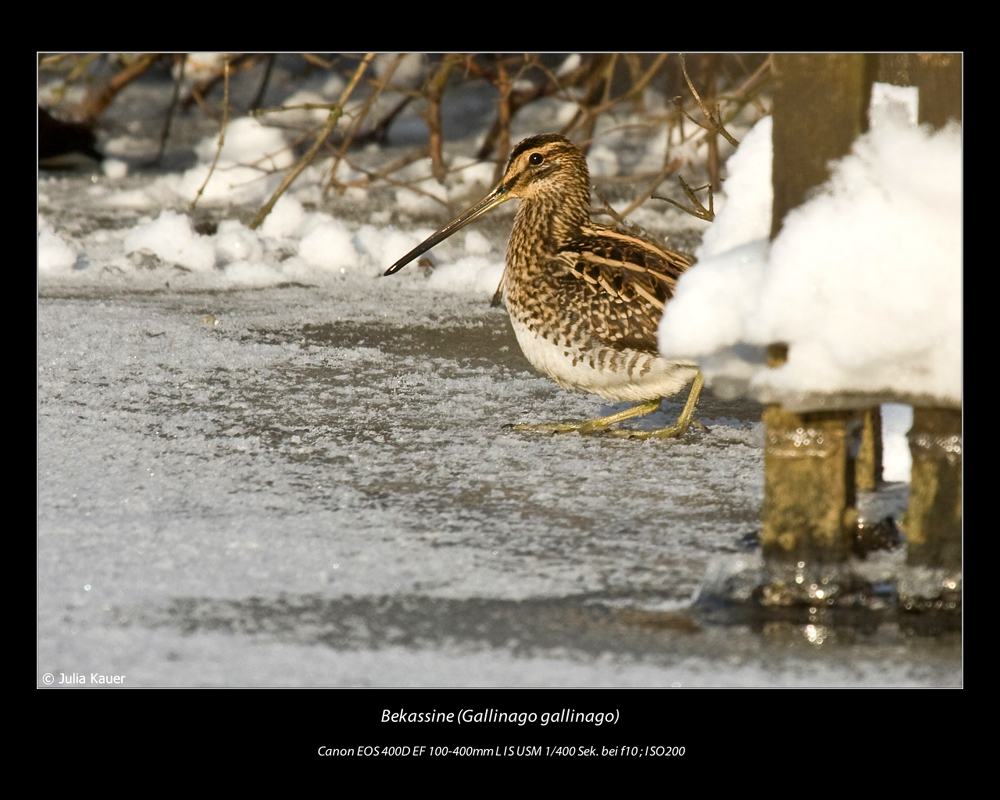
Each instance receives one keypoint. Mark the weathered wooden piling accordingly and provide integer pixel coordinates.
(809, 459)
(814, 460)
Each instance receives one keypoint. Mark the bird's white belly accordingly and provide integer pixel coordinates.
(618, 375)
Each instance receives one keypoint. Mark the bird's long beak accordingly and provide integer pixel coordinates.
(493, 199)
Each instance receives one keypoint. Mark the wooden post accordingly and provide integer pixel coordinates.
(809, 508)
(820, 107)
(868, 469)
(939, 77)
(814, 461)
(934, 519)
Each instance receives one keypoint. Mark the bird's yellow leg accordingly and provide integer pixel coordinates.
(593, 425)
(684, 421)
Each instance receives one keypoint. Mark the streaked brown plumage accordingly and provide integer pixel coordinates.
(584, 300)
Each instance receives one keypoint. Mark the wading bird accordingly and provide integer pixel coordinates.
(584, 300)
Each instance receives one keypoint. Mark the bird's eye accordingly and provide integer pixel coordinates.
(535, 159)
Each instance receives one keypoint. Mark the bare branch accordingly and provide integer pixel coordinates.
(335, 114)
(222, 134)
(697, 209)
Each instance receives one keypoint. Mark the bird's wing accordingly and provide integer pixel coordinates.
(626, 282)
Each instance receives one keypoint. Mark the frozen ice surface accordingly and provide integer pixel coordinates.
(260, 463)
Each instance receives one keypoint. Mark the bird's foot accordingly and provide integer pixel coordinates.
(590, 426)
(671, 432)
(554, 427)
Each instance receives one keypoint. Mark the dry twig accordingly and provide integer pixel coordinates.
(360, 116)
(222, 133)
(697, 209)
(336, 112)
(714, 124)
